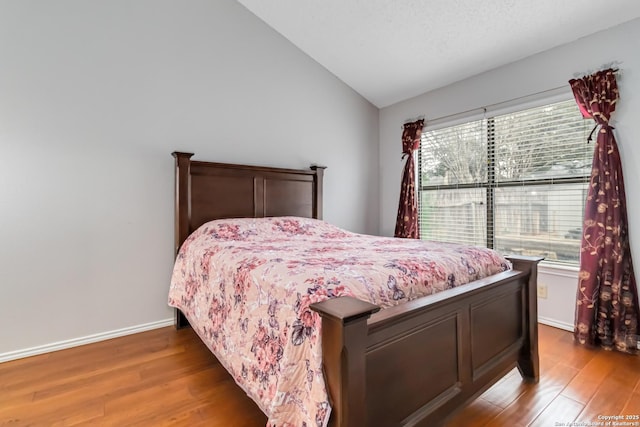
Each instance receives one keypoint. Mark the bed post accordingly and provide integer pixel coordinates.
(182, 212)
(344, 334)
(318, 188)
(529, 362)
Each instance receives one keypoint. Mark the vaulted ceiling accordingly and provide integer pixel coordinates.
(391, 50)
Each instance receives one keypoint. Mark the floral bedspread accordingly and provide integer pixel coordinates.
(246, 285)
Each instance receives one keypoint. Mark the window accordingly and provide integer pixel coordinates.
(514, 182)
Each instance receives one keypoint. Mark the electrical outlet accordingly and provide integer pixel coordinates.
(542, 291)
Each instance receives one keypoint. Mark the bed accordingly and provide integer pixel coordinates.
(414, 363)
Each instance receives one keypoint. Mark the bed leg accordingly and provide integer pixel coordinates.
(344, 339)
(180, 320)
(529, 362)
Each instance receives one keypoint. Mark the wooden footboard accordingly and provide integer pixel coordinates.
(418, 363)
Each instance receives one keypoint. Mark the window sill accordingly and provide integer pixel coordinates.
(559, 269)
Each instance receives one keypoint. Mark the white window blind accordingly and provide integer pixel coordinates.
(515, 182)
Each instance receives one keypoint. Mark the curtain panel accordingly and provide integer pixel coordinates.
(407, 219)
(607, 297)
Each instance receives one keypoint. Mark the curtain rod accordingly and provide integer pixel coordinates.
(484, 108)
(415, 119)
(614, 65)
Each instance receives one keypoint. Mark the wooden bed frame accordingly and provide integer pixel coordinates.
(415, 364)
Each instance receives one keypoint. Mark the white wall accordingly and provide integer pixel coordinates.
(94, 96)
(541, 72)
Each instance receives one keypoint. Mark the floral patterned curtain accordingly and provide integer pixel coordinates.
(407, 220)
(607, 299)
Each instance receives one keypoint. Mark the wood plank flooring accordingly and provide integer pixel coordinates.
(168, 377)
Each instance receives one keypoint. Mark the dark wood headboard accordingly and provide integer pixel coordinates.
(206, 191)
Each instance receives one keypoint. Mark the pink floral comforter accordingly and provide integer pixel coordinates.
(246, 285)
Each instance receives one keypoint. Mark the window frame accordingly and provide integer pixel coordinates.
(490, 185)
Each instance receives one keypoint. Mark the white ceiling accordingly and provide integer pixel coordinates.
(391, 50)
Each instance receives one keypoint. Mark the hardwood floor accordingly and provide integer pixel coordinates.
(168, 377)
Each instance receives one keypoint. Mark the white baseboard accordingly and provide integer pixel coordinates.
(556, 324)
(75, 342)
